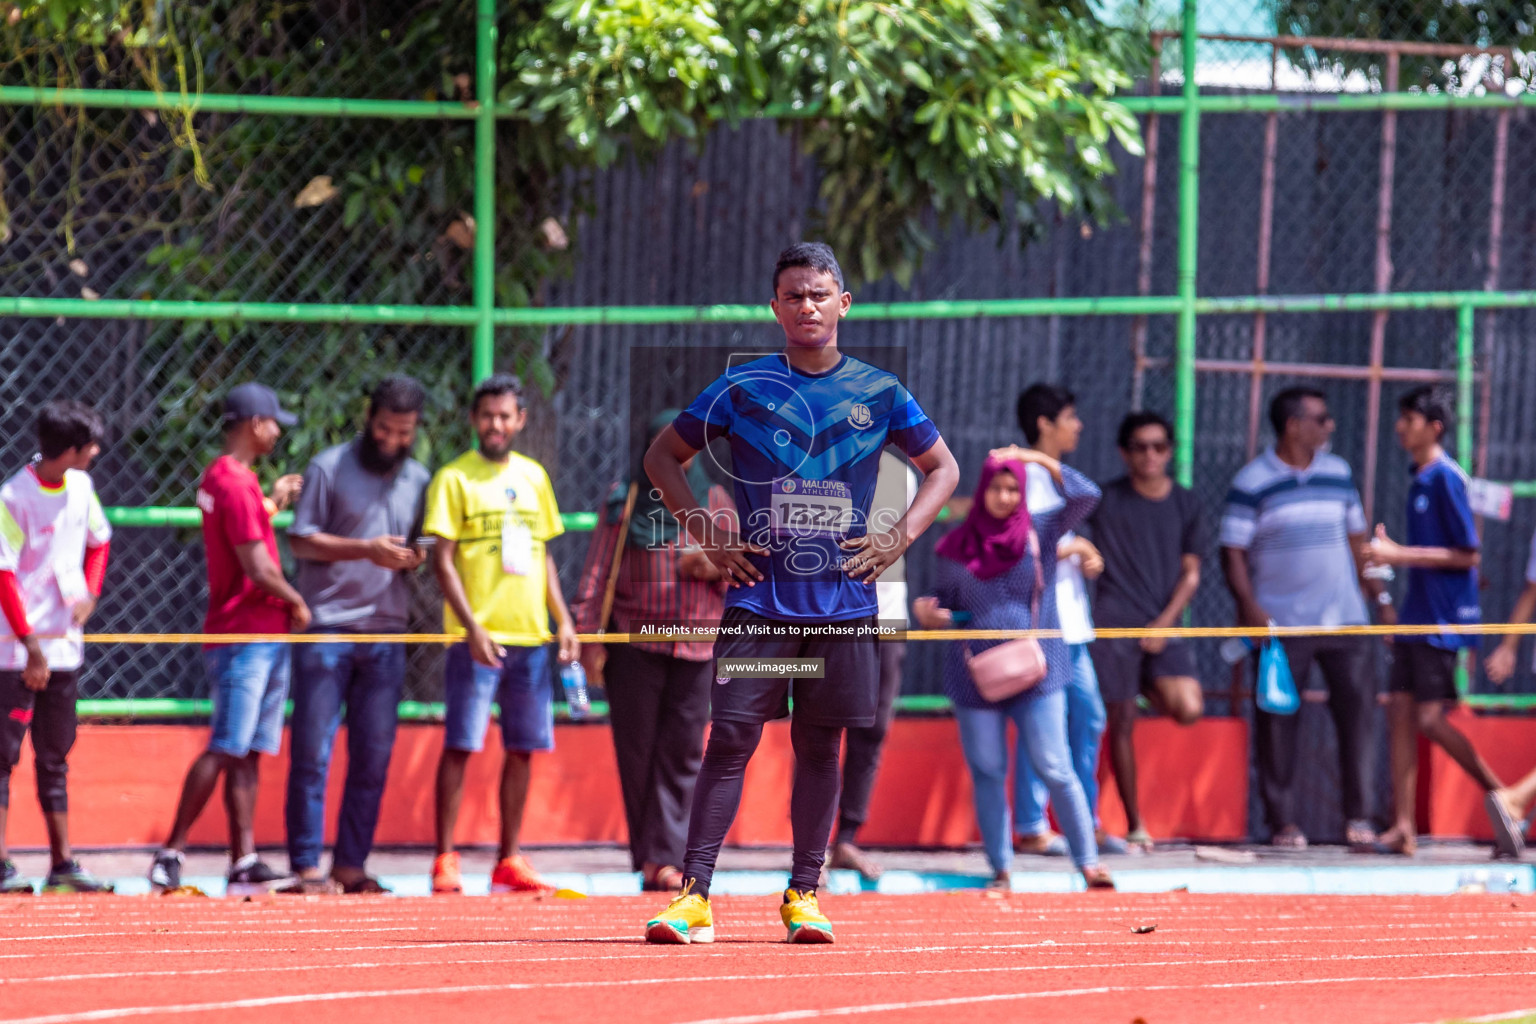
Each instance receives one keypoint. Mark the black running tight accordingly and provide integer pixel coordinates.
(812, 805)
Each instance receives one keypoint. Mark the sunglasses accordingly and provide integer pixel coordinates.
(1143, 447)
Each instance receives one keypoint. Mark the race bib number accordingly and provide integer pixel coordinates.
(812, 508)
(1491, 500)
(516, 547)
(71, 580)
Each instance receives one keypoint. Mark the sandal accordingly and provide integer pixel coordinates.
(1508, 840)
(1042, 844)
(1392, 843)
(365, 886)
(1098, 878)
(1111, 845)
(1289, 838)
(1139, 840)
(665, 879)
(1359, 833)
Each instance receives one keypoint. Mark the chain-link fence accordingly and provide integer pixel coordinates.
(236, 207)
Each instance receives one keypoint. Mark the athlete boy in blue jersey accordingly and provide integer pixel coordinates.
(1441, 557)
(806, 428)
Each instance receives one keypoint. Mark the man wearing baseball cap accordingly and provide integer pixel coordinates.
(246, 594)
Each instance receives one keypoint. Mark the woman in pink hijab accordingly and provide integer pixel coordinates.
(987, 579)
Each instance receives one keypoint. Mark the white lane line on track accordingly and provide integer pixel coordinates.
(748, 944)
(1490, 1018)
(923, 1004)
(1076, 965)
(272, 924)
(325, 997)
(582, 958)
(173, 929)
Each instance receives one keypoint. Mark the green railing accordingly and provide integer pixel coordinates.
(483, 316)
(174, 709)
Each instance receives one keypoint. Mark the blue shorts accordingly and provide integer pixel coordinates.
(250, 686)
(523, 688)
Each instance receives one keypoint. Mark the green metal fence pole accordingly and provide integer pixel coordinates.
(424, 711)
(1189, 224)
(1324, 103)
(227, 103)
(1363, 301)
(252, 312)
(190, 518)
(1465, 324)
(469, 316)
(317, 106)
(483, 360)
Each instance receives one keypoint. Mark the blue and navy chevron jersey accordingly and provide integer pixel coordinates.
(805, 450)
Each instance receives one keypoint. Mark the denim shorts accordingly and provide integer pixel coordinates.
(250, 687)
(523, 688)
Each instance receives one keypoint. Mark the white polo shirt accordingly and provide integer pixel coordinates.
(895, 484)
(1041, 495)
(44, 532)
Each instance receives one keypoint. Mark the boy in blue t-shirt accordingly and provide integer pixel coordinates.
(1441, 557)
(806, 428)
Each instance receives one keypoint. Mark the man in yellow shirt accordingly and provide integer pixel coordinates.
(491, 512)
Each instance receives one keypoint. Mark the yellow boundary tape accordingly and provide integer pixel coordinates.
(815, 630)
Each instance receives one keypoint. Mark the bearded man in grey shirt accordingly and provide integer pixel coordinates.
(354, 535)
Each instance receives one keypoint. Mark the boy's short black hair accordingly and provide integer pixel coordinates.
(1286, 405)
(816, 255)
(66, 424)
(494, 386)
(1430, 402)
(1134, 421)
(397, 393)
(1041, 399)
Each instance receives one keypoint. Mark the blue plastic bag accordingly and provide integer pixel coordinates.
(1276, 689)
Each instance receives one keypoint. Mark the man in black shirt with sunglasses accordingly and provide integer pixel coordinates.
(1152, 535)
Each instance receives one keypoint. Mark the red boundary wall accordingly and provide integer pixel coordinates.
(125, 779)
(1450, 803)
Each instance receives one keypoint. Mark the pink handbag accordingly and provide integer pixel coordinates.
(1011, 668)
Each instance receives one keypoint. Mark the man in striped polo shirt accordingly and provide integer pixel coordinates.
(1293, 544)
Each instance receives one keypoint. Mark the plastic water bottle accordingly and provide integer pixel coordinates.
(1235, 648)
(1486, 881)
(574, 679)
(1381, 573)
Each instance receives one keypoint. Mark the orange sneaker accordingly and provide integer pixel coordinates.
(445, 875)
(515, 874)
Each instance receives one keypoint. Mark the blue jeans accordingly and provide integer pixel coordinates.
(367, 679)
(523, 689)
(249, 686)
(1085, 729)
(1042, 726)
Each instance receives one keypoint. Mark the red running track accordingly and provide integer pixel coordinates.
(946, 956)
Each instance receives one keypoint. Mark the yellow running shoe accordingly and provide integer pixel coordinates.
(803, 917)
(686, 919)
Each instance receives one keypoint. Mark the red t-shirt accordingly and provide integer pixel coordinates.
(234, 514)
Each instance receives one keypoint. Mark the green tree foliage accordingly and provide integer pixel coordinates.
(916, 111)
(1464, 22)
(918, 114)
